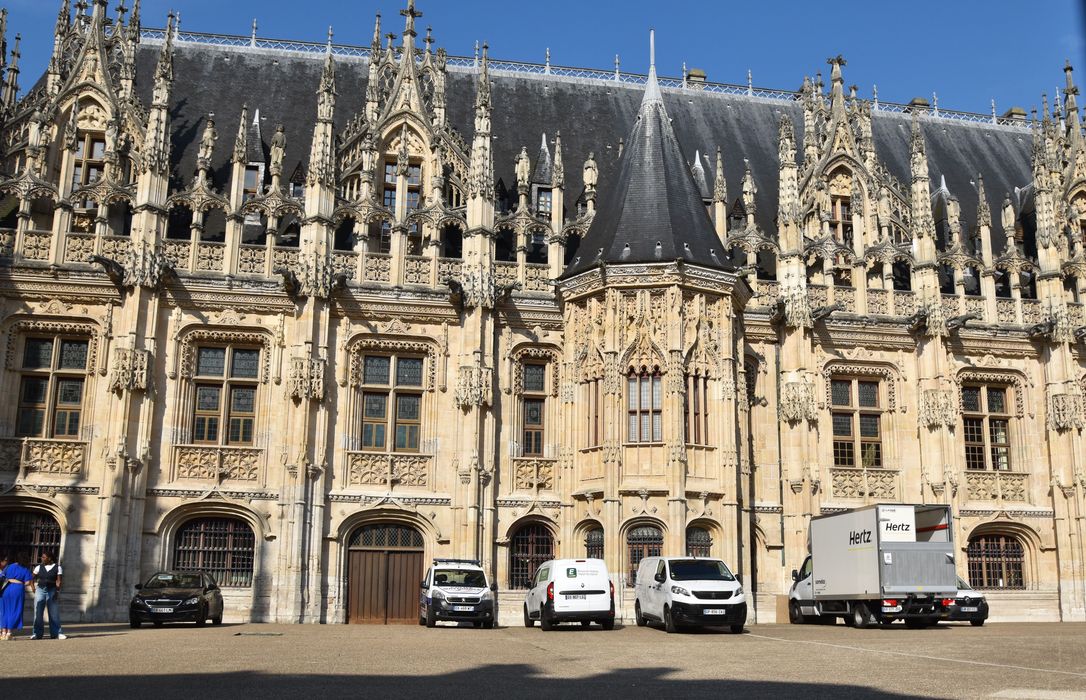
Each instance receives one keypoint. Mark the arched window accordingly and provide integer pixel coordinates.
(643, 541)
(25, 534)
(505, 246)
(529, 547)
(593, 543)
(644, 403)
(221, 547)
(996, 561)
(699, 543)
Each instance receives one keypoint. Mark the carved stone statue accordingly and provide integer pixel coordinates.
(39, 130)
(207, 142)
(749, 190)
(884, 206)
(591, 173)
(278, 150)
(822, 199)
(113, 130)
(1006, 216)
(954, 215)
(523, 167)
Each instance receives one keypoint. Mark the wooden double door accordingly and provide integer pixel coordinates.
(383, 582)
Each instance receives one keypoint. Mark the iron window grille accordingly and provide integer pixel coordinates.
(643, 541)
(593, 543)
(223, 548)
(26, 535)
(699, 543)
(996, 561)
(529, 547)
(386, 536)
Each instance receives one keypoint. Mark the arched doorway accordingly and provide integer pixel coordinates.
(385, 565)
(25, 534)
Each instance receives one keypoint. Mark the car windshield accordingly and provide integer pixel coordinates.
(460, 577)
(964, 585)
(174, 581)
(700, 570)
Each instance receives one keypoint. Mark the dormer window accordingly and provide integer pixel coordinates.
(89, 165)
(252, 183)
(841, 219)
(544, 203)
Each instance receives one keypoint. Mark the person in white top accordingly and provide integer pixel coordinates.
(48, 576)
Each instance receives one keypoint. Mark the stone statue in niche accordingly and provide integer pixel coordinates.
(1006, 216)
(523, 167)
(591, 172)
(884, 207)
(207, 142)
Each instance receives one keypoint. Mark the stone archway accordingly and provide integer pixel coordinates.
(385, 562)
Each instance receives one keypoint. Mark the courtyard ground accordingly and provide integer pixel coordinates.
(239, 661)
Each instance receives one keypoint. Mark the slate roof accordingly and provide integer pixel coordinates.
(591, 116)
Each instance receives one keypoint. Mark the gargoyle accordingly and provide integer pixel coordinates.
(824, 312)
(114, 270)
(956, 322)
(290, 281)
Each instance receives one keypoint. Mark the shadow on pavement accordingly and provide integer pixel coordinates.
(498, 680)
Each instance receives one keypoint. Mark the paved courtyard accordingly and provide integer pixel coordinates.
(237, 661)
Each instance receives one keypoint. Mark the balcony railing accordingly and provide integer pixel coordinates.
(67, 457)
(878, 484)
(215, 463)
(383, 468)
(997, 486)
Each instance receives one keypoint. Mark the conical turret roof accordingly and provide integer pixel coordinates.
(653, 211)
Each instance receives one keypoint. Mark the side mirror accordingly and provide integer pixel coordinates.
(795, 575)
(660, 578)
(422, 584)
(139, 586)
(494, 588)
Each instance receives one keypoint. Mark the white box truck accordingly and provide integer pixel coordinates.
(877, 564)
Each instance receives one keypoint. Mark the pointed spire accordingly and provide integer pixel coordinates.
(375, 45)
(698, 171)
(410, 15)
(652, 88)
(1070, 105)
(837, 81)
(11, 85)
(720, 185)
(134, 21)
(558, 169)
(241, 144)
(326, 92)
(3, 38)
(543, 171)
(160, 95)
(482, 85)
(64, 18)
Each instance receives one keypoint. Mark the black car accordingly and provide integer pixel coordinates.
(176, 596)
(969, 606)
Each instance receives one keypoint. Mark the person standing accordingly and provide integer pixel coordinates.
(18, 577)
(48, 576)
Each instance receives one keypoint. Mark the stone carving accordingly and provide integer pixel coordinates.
(1064, 411)
(797, 307)
(473, 385)
(143, 265)
(591, 173)
(478, 287)
(45, 456)
(798, 402)
(25, 326)
(218, 463)
(375, 468)
(529, 474)
(193, 337)
(523, 169)
(879, 484)
(130, 370)
(938, 408)
(305, 378)
(207, 144)
(357, 346)
(995, 486)
(278, 150)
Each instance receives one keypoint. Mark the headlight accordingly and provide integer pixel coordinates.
(437, 595)
(738, 591)
(140, 602)
(486, 594)
(191, 601)
(679, 590)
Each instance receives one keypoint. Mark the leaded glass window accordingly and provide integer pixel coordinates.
(986, 427)
(52, 387)
(533, 409)
(392, 402)
(225, 401)
(856, 422)
(644, 403)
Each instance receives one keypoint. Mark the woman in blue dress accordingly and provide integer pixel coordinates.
(11, 602)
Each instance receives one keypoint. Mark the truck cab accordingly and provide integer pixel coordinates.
(457, 590)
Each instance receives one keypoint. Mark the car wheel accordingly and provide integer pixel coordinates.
(156, 623)
(134, 623)
(431, 618)
(488, 625)
(977, 623)
(586, 623)
(544, 621)
(861, 616)
(201, 616)
(794, 615)
(669, 621)
(477, 624)
(608, 624)
(638, 617)
(737, 629)
(528, 622)
(217, 618)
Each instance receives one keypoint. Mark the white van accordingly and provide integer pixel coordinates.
(680, 591)
(570, 590)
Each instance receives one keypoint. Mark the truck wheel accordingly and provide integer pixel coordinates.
(608, 624)
(669, 621)
(638, 617)
(544, 621)
(977, 623)
(431, 618)
(737, 629)
(528, 622)
(861, 616)
(794, 615)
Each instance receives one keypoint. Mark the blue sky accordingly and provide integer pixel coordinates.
(966, 51)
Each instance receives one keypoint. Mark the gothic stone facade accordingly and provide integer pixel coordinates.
(363, 321)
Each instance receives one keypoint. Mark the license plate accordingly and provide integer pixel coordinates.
(162, 610)
(463, 608)
(715, 611)
(971, 609)
(576, 596)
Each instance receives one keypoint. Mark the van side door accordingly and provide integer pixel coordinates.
(657, 590)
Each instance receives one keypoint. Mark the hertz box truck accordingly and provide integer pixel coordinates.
(877, 564)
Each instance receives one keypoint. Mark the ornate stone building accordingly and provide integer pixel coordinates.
(368, 325)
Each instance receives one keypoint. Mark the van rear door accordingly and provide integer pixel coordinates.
(581, 586)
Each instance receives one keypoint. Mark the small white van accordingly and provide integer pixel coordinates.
(570, 590)
(682, 591)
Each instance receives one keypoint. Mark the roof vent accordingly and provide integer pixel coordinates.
(1016, 113)
(625, 251)
(695, 79)
(919, 103)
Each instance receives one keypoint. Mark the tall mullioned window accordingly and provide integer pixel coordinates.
(391, 403)
(644, 407)
(223, 548)
(533, 408)
(51, 387)
(856, 415)
(986, 423)
(696, 414)
(226, 380)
